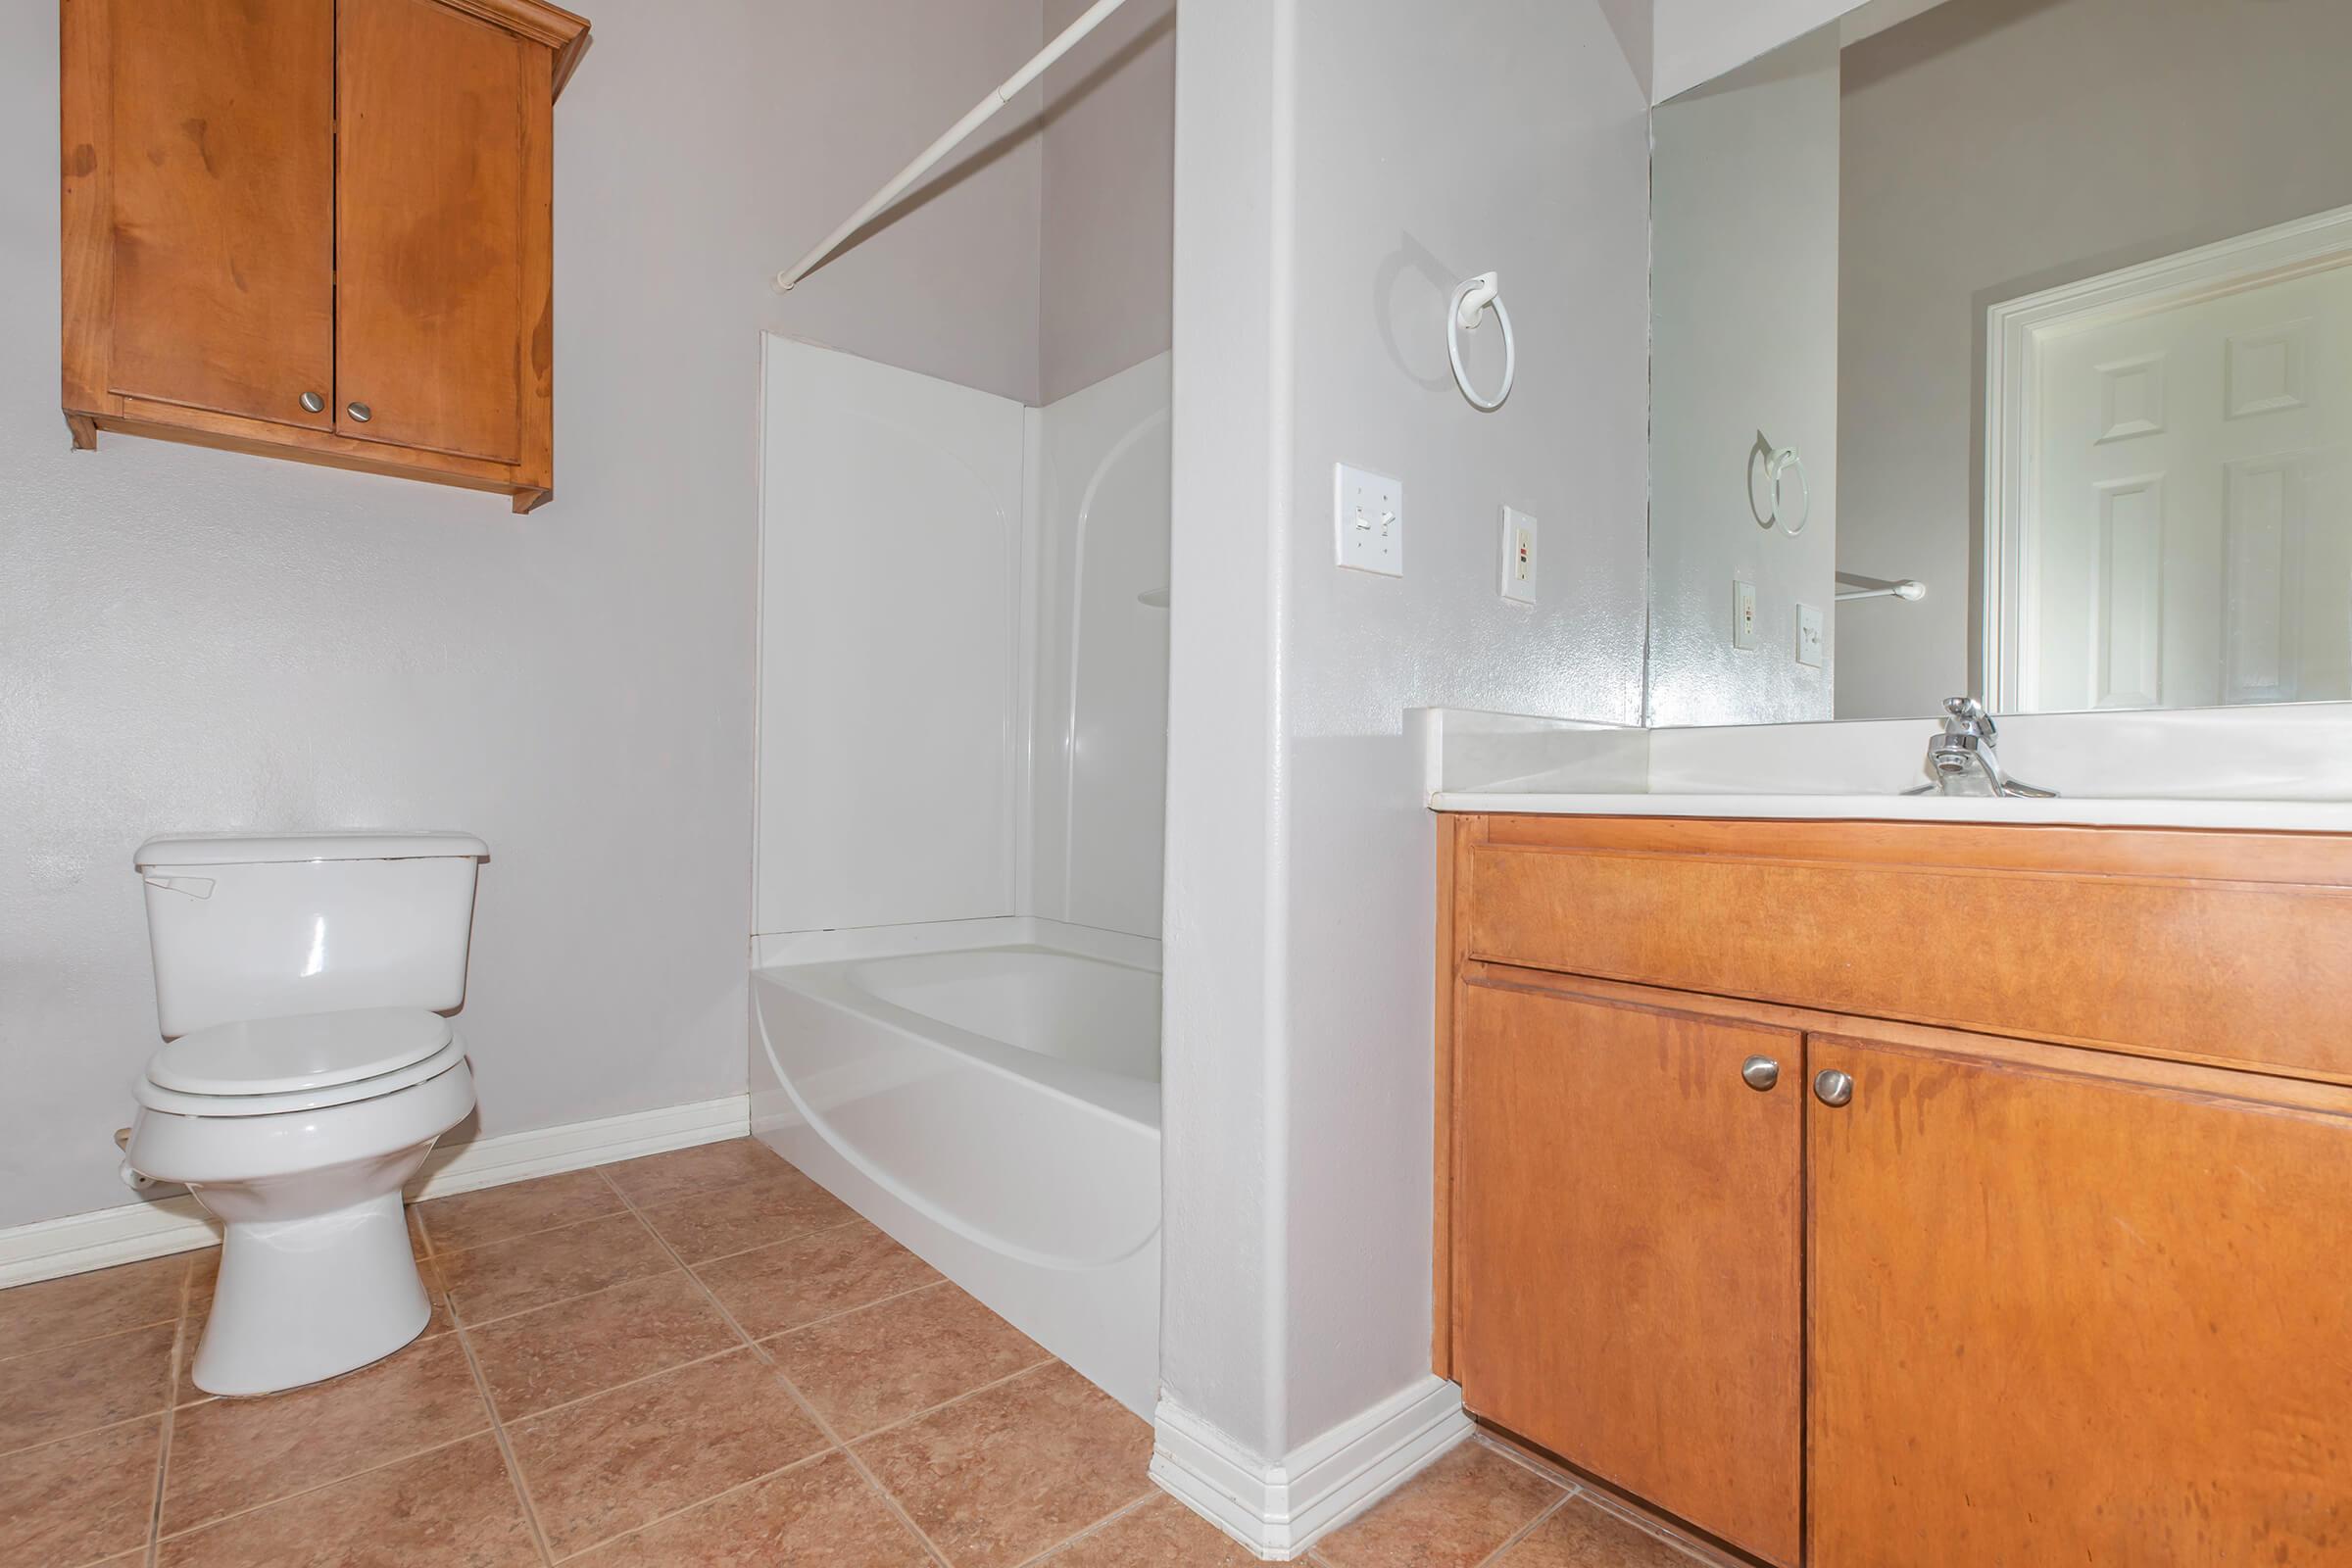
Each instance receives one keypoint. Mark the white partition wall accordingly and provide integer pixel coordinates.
(964, 649)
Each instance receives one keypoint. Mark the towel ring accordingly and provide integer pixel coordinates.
(1776, 469)
(1462, 315)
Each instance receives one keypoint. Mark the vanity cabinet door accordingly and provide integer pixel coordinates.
(2067, 1307)
(1627, 1248)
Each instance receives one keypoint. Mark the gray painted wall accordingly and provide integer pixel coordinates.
(196, 639)
(1109, 217)
(1995, 148)
(1317, 245)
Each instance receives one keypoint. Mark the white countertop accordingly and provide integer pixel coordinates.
(2298, 816)
(2280, 769)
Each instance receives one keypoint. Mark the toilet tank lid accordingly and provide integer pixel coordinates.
(263, 849)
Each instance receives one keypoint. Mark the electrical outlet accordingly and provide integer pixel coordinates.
(1744, 613)
(1368, 521)
(1518, 556)
(1809, 636)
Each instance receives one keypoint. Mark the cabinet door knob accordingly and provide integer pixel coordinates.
(1831, 1087)
(313, 402)
(360, 412)
(1760, 1072)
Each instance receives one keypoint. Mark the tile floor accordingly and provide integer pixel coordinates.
(698, 1358)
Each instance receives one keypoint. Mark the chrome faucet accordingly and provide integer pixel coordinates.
(1962, 759)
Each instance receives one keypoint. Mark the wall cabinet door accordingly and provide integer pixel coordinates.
(2070, 1308)
(222, 261)
(1627, 1250)
(438, 116)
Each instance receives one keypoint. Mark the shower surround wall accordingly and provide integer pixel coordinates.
(963, 651)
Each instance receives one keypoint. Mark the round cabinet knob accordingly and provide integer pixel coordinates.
(313, 402)
(1760, 1072)
(1831, 1087)
(360, 412)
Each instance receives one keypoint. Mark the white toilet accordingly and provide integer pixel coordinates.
(300, 980)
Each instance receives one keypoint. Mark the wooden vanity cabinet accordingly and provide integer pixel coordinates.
(2059, 1305)
(316, 229)
(1664, 1357)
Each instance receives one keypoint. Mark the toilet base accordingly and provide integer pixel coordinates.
(303, 1300)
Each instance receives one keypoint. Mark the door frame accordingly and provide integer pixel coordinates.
(2015, 331)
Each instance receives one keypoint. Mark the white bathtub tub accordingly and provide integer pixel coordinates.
(988, 1092)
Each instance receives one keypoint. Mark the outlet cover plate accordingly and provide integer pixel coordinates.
(1518, 556)
(1368, 521)
(1744, 613)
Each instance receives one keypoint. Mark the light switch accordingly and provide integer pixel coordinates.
(1518, 556)
(1808, 635)
(1744, 613)
(1368, 521)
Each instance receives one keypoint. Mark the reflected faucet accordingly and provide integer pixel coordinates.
(1962, 759)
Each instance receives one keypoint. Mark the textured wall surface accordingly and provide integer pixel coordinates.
(194, 639)
(1310, 330)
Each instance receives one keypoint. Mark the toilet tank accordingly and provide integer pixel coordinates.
(248, 925)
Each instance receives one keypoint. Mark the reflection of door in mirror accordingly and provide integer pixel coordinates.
(2173, 446)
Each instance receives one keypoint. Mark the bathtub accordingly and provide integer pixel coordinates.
(986, 1093)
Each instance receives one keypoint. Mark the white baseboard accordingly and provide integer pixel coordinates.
(78, 1243)
(1279, 1510)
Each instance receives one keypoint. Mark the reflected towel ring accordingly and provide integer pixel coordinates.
(1463, 315)
(1776, 469)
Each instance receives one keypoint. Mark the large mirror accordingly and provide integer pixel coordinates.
(2004, 347)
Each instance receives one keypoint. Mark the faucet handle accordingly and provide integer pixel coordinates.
(1969, 716)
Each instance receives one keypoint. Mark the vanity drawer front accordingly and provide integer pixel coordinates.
(2233, 949)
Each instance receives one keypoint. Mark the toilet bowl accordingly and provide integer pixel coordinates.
(298, 1133)
(302, 982)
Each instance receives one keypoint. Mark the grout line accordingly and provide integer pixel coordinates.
(1528, 1529)
(506, 1452)
(785, 1241)
(1105, 1523)
(163, 1447)
(802, 1462)
(68, 1344)
(85, 1431)
(848, 1311)
(528, 1418)
(305, 1491)
(456, 1322)
(792, 1390)
(951, 1403)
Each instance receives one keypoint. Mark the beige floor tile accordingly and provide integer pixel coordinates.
(86, 1306)
(581, 1346)
(1450, 1515)
(664, 1178)
(454, 1507)
(1583, 1535)
(80, 1498)
(54, 1394)
(232, 1455)
(496, 1213)
(776, 1208)
(1162, 1534)
(816, 1515)
(772, 1289)
(881, 1364)
(998, 1478)
(625, 1458)
(549, 1266)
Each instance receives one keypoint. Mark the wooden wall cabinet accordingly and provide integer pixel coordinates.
(316, 229)
(2050, 1304)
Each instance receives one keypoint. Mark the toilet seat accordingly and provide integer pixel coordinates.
(305, 1061)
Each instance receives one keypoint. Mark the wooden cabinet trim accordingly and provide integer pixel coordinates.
(2218, 948)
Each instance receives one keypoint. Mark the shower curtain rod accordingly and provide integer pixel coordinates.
(980, 113)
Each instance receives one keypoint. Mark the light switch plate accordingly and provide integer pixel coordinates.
(1744, 613)
(1809, 636)
(1518, 556)
(1368, 521)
